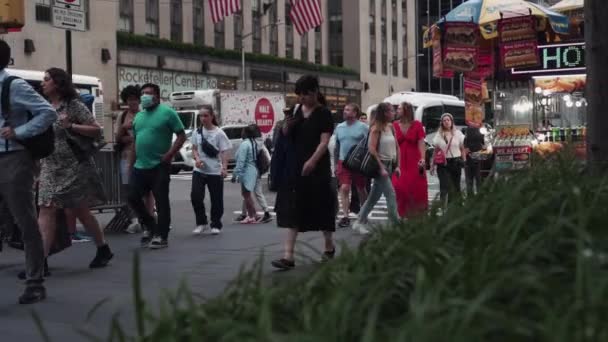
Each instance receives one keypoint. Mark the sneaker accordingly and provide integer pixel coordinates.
(158, 243)
(200, 229)
(33, 294)
(266, 218)
(249, 220)
(328, 255)
(240, 218)
(283, 264)
(133, 228)
(344, 222)
(79, 237)
(102, 258)
(215, 231)
(360, 228)
(146, 237)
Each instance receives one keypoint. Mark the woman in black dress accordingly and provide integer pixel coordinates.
(305, 199)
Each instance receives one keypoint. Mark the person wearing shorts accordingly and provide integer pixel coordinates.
(348, 134)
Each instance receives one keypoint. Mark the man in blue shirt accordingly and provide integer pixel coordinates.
(17, 170)
(348, 134)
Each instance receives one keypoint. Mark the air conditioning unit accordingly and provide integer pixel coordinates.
(43, 13)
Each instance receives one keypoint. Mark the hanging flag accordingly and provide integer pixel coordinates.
(305, 15)
(223, 8)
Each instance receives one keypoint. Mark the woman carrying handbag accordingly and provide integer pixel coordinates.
(448, 159)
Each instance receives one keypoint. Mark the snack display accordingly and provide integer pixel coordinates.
(562, 84)
(460, 59)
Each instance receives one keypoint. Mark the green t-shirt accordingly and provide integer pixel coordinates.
(153, 132)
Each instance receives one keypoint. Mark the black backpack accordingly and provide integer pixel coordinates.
(261, 159)
(39, 146)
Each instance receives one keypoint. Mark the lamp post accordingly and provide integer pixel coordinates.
(390, 67)
(243, 47)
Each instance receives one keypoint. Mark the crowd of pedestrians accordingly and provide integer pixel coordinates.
(308, 166)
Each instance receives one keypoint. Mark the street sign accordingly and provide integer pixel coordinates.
(73, 4)
(69, 19)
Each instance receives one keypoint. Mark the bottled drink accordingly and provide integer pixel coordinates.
(574, 134)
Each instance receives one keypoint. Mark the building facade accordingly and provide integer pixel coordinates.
(364, 50)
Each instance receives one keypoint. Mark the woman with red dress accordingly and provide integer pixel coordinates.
(411, 188)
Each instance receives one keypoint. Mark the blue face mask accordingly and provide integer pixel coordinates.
(147, 101)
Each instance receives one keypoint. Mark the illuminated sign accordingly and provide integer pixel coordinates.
(558, 58)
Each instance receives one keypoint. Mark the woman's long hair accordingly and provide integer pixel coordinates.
(381, 118)
(408, 112)
(63, 82)
(451, 129)
(209, 109)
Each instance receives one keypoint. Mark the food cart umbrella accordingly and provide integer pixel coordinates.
(568, 5)
(487, 13)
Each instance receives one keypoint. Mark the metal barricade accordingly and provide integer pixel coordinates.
(107, 162)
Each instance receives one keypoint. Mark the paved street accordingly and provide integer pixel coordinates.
(208, 263)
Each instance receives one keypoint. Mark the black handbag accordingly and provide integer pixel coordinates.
(84, 148)
(206, 146)
(359, 160)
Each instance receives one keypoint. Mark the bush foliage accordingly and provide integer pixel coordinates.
(524, 260)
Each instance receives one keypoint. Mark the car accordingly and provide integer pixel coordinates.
(234, 132)
(183, 160)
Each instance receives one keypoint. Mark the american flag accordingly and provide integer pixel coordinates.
(223, 8)
(305, 15)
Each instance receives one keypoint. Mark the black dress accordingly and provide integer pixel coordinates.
(307, 203)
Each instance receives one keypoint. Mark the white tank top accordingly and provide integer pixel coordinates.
(387, 149)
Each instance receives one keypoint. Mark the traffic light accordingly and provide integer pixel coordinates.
(12, 14)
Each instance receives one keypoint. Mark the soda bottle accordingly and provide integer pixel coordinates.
(574, 134)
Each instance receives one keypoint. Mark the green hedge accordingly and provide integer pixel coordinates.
(525, 260)
(131, 40)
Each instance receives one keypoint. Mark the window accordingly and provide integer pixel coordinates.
(152, 18)
(125, 19)
(238, 31)
(395, 62)
(317, 46)
(43, 10)
(304, 49)
(288, 32)
(218, 35)
(384, 38)
(459, 114)
(176, 20)
(372, 36)
(274, 29)
(404, 29)
(335, 33)
(256, 26)
(431, 117)
(198, 24)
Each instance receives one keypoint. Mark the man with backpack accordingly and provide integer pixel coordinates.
(25, 135)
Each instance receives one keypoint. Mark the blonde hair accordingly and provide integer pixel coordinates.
(441, 123)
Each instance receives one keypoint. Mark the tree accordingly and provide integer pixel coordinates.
(596, 42)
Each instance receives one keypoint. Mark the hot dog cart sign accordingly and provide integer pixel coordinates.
(264, 115)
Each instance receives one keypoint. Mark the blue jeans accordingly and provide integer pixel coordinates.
(380, 186)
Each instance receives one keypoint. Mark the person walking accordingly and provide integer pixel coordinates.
(30, 116)
(411, 189)
(348, 134)
(384, 148)
(209, 149)
(68, 177)
(126, 147)
(474, 142)
(261, 152)
(153, 129)
(246, 171)
(305, 199)
(449, 144)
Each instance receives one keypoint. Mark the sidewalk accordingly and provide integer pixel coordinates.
(208, 263)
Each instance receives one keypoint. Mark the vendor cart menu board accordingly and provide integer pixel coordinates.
(512, 148)
(473, 99)
(517, 29)
(518, 45)
(461, 40)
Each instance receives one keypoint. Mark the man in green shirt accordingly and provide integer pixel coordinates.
(153, 129)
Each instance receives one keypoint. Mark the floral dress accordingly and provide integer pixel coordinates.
(64, 181)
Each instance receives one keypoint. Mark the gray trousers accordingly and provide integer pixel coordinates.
(17, 170)
(259, 196)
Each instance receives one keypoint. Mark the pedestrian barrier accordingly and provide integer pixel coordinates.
(107, 161)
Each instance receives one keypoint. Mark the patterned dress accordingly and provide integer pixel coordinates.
(65, 182)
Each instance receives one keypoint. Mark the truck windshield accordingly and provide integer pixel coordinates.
(187, 118)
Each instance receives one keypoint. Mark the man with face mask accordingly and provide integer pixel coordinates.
(153, 129)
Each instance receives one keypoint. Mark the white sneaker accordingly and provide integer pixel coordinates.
(200, 229)
(215, 231)
(360, 228)
(134, 228)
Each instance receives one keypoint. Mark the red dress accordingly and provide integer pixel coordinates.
(411, 188)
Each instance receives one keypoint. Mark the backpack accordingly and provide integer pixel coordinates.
(40, 146)
(261, 159)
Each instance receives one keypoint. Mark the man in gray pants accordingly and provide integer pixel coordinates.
(30, 116)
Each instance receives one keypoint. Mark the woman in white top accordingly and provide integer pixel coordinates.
(450, 141)
(384, 148)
